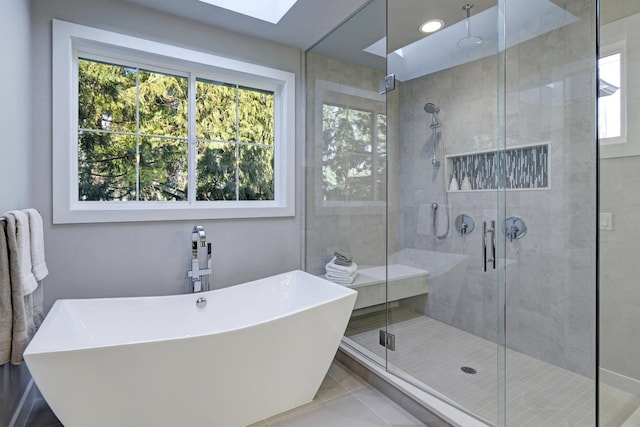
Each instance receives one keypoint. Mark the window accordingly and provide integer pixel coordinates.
(611, 97)
(161, 132)
(354, 154)
(351, 129)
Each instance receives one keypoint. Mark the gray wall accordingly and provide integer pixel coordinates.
(619, 249)
(15, 151)
(15, 117)
(148, 258)
(619, 195)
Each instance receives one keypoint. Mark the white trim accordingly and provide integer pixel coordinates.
(621, 49)
(622, 382)
(68, 39)
(623, 36)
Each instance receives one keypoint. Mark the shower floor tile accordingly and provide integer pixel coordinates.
(538, 393)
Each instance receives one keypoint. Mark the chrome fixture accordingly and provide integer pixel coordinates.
(435, 127)
(514, 227)
(433, 109)
(201, 302)
(434, 225)
(486, 231)
(469, 41)
(464, 224)
(387, 84)
(200, 278)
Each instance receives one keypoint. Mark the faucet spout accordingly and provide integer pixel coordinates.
(199, 234)
(199, 276)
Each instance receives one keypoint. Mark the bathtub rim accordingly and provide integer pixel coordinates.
(345, 292)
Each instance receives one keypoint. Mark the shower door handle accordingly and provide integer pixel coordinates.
(486, 231)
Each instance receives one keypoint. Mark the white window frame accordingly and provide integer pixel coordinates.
(608, 50)
(624, 32)
(70, 40)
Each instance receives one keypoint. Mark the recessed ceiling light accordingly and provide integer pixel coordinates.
(265, 10)
(431, 26)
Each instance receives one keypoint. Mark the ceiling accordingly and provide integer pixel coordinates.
(405, 16)
(308, 21)
(305, 23)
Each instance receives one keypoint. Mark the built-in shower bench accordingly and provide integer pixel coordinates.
(404, 282)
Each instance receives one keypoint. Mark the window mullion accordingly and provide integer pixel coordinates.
(237, 154)
(137, 134)
(192, 152)
(374, 155)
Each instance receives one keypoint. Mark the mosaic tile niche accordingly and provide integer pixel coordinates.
(526, 168)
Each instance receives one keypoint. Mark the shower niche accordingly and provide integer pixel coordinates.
(524, 168)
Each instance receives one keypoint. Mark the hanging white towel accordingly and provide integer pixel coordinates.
(26, 309)
(6, 311)
(38, 264)
(20, 251)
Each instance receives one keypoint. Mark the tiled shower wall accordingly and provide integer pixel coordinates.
(550, 272)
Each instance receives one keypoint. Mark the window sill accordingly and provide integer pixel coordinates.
(97, 212)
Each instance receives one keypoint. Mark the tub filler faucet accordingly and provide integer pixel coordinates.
(200, 278)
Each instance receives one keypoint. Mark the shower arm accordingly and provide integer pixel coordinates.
(467, 8)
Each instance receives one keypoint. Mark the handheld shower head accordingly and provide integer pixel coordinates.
(431, 108)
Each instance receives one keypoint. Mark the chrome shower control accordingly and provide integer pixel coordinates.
(464, 224)
(201, 302)
(514, 227)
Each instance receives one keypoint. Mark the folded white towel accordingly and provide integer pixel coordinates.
(342, 280)
(20, 250)
(336, 269)
(38, 265)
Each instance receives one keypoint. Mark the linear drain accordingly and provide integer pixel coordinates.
(468, 370)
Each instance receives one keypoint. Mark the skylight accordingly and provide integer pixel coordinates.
(265, 10)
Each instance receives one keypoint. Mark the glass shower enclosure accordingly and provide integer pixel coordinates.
(457, 170)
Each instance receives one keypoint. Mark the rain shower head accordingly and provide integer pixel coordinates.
(469, 41)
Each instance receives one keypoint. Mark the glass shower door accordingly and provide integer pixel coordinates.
(445, 213)
(492, 166)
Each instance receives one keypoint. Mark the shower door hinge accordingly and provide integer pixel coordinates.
(387, 84)
(388, 340)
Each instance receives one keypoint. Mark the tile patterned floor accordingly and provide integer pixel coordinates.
(538, 394)
(344, 400)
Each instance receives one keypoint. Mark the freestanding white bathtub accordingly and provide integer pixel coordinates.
(255, 350)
